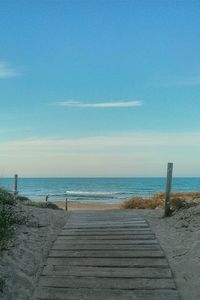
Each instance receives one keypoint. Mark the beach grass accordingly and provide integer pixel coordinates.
(9, 217)
(178, 200)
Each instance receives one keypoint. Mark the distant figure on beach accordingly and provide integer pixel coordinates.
(47, 196)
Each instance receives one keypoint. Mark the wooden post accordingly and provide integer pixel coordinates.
(66, 204)
(168, 189)
(15, 192)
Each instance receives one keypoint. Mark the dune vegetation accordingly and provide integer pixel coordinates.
(12, 215)
(178, 200)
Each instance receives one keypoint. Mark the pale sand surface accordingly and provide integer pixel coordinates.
(22, 263)
(86, 205)
(179, 237)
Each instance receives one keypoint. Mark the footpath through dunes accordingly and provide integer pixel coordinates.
(106, 255)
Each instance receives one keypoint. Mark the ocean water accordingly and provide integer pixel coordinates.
(107, 190)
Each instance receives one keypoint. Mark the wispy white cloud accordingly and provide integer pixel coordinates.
(100, 105)
(6, 71)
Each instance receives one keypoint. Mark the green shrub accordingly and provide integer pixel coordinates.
(9, 216)
(6, 198)
(2, 284)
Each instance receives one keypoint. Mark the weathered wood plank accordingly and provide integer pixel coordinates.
(82, 233)
(108, 262)
(106, 283)
(47, 293)
(105, 253)
(105, 230)
(107, 272)
(61, 239)
(106, 221)
(110, 237)
(71, 246)
(109, 219)
(103, 226)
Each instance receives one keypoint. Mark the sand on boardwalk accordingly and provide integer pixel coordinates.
(178, 235)
(86, 205)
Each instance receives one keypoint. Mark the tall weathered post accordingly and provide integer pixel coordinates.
(15, 192)
(168, 189)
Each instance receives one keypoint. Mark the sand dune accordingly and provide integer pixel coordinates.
(179, 236)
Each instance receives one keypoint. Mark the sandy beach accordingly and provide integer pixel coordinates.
(178, 235)
(86, 205)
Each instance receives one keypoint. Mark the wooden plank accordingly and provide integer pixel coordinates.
(128, 232)
(102, 229)
(109, 256)
(105, 253)
(107, 272)
(70, 246)
(108, 219)
(108, 262)
(67, 241)
(48, 293)
(110, 237)
(106, 283)
(103, 226)
(105, 215)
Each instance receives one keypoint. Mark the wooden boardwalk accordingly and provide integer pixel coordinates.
(106, 255)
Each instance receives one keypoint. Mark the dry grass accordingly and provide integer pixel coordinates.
(178, 200)
(141, 203)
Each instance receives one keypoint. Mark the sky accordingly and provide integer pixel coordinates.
(99, 88)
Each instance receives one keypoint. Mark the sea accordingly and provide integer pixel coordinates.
(104, 190)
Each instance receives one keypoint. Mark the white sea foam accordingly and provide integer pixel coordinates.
(90, 193)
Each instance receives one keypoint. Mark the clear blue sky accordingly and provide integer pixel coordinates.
(99, 88)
